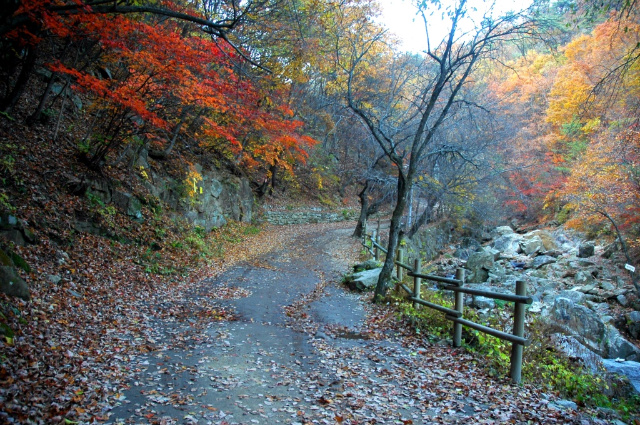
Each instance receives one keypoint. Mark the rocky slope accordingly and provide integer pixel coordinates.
(578, 286)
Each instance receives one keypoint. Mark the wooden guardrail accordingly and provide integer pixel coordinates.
(455, 314)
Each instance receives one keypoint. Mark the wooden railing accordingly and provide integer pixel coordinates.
(455, 314)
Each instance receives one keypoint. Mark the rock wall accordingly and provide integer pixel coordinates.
(283, 218)
(218, 198)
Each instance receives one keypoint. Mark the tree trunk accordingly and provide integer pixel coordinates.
(35, 117)
(9, 102)
(384, 281)
(364, 210)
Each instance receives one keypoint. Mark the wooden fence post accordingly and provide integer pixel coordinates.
(377, 249)
(518, 330)
(417, 282)
(458, 306)
(399, 270)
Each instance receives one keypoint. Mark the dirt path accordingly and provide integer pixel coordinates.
(302, 350)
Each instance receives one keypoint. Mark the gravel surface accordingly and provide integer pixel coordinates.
(300, 349)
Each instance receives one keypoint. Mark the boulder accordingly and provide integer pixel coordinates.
(479, 264)
(532, 245)
(364, 280)
(583, 277)
(503, 230)
(128, 204)
(463, 253)
(586, 249)
(542, 260)
(629, 369)
(548, 242)
(483, 302)
(508, 245)
(623, 301)
(492, 251)
(633, 320)
(498, 273)
(16, 231)
(580, 321)
(12, 284)
(587, 289)
(470, 243)
(607, 286)
(617, 347)
(575, 296)
(5, 260)
(14, 235)
(367, 265)
(572, 348)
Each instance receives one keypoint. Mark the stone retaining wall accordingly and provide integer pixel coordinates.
(283, 218)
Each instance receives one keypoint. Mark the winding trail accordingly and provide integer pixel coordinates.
(300, 349)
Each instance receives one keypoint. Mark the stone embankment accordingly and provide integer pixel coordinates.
(285, 218)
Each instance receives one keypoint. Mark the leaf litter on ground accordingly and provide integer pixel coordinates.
(83, 343)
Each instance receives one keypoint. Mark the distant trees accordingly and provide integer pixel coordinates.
(408, 117)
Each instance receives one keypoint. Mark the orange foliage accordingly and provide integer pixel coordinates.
(158, 71)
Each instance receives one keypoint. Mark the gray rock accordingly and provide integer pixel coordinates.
(483, 302)
(583, 277)
(99, 190)
(609, 250)
(532, 245)
(12, 284)
(504, 230)
(364, 280)
(586, 289)
(536, 307)
(549, 244)
(623, 301)
(463, 253)
(5, 260)
(586, 249)
(492, 251)
(13, 235)
(54, 278)
(607, 286)
(572, 348)
(542, 260)
(8, 221)
(633, 319)
(479, 264)
(74, 293)
(508, 244)
(629, 369)
(564, 404)
(128, 204)
(575, 296)
(578, 320)
(470, 243)
(497, 273)
(367, 265)
(617, 347)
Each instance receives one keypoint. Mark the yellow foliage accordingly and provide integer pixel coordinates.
(193, 183)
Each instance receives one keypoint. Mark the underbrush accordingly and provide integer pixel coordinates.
(543, 364)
